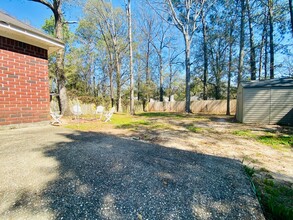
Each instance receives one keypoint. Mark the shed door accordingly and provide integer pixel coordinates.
(281, 106)
(256, 105)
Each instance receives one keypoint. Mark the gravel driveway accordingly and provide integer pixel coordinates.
(53, 173)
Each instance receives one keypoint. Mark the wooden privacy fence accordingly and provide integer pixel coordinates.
(89, 109)
(202, 106)
(86, 109)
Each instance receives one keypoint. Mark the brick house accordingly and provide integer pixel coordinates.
(24, 81)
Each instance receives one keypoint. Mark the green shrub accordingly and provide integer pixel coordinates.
(249, 171)
(276, 198)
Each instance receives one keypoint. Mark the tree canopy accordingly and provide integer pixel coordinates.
(174, 49)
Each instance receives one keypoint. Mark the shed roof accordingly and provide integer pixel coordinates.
(283, 82)
(17, 30)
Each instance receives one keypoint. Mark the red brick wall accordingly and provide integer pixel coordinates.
(24, 84)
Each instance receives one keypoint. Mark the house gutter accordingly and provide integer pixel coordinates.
(42, 41)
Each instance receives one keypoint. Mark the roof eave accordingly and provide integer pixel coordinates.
(281, 82)
(19, 34)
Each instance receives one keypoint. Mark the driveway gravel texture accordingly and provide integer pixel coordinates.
(53, 173)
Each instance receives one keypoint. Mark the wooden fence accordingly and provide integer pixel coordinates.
(89, 109)
(202, 106)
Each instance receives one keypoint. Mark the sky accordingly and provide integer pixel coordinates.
(31, 13)
(35, 14)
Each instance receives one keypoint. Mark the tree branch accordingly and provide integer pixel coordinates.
(155, 10)
(179, 25)
(44, 2)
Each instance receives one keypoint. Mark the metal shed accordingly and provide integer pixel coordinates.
(265, 102)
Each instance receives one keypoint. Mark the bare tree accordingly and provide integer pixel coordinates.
(231, 41)
(266, 49)
(110, 23)
(205, 56)
(147, 27)
(241, 49)
(130, 57)
(55, 7)
(110, 66)
(251, 40)
(291, 14)
(159, 42)
(110, 58)
(185, 14)
(173, 55)
(272, 47)
(263, 45)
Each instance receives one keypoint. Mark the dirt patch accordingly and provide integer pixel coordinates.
(265, 149)
(214, 135)
(206, 134)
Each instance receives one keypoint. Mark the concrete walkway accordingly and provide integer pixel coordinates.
(52, 173)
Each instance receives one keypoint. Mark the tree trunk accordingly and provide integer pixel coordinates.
(159, 51)
(60, 63)
(138, 89)
(118, 82)
(187, 68)
(229, 67)
(161, 77)
(272, 52)
(241, 49)
(111, 89)
(205, 57)
(147, 67)
(229, 82)
(110, 73)
(263, 39)
(291, 14)
(55, 7)
(187, 26)
(94, 86)
(61, 79)
(218, 77)
(266, 56)
(217, 91)
(252, 46)
(260, 60)
(130, 58)
(170, 79)
(147, 77)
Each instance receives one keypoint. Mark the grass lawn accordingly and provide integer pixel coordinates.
(121, 121)
(277, 141)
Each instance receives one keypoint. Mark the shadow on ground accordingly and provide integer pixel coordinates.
(106, 177)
